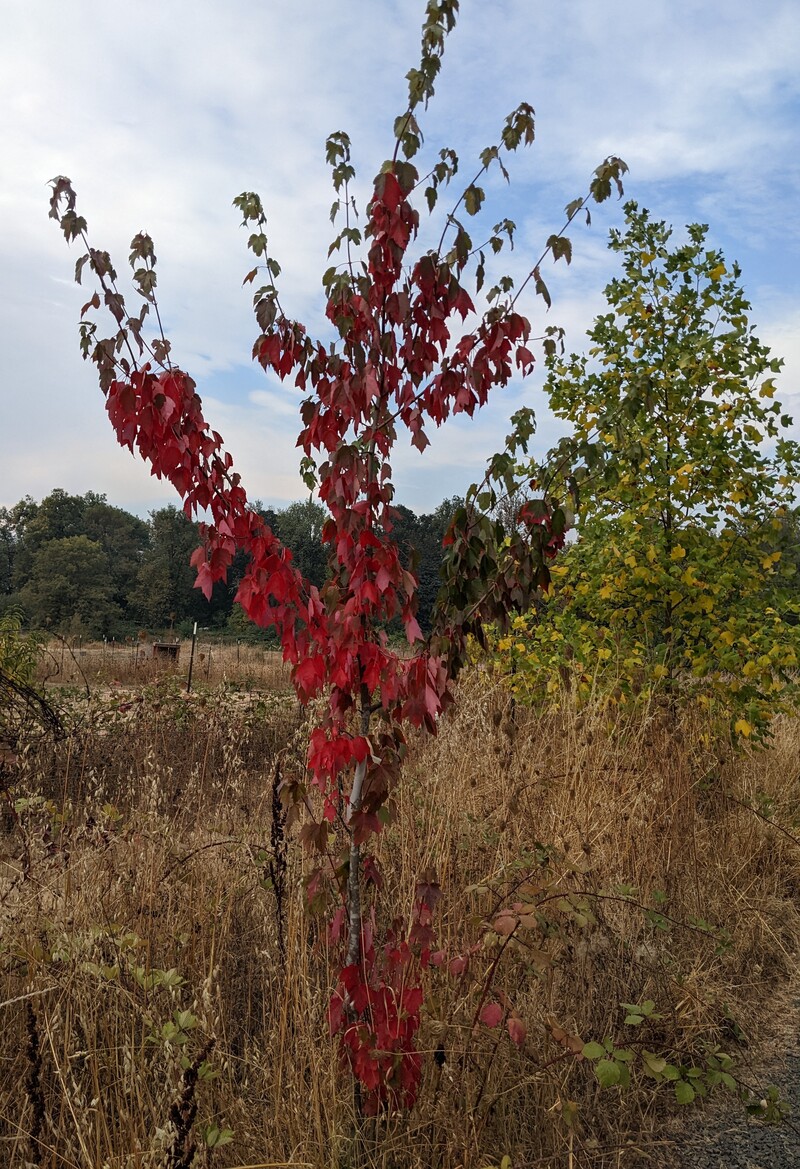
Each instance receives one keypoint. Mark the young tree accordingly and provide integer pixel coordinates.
(402, 357)
(682, 479)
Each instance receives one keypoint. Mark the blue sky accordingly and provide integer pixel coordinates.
(162, 112)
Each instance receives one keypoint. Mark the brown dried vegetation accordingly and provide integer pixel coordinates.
(163, 981)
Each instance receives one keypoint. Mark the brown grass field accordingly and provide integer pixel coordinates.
(158, 991)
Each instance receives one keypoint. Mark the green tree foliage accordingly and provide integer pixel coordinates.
(30, 574)
(145, 579)
(419, 538)
(682, 483)
(164, 591)
(57, 517)
(123, 538)
(70, 587)
(299, 527)
(13, 523)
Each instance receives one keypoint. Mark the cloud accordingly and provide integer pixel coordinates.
(163, 111)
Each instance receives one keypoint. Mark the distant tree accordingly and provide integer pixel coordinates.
(299, 527)
(70, 587)
(58, 516)
(164, 589)
(13, 522)
(124, 539)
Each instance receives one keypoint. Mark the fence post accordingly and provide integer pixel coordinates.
(191, 659)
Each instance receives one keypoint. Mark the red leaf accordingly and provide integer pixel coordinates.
(505, 923)
(517, 1030)
(491, 1015)
(413, 631)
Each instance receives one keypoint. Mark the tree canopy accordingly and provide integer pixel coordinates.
(76, 564)
(682, 479)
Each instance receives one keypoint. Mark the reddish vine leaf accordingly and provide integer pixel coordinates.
(491, 1015)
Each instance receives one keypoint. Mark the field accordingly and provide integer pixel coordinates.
(164, 984)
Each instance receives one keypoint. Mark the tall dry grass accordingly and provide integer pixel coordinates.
(161, 982)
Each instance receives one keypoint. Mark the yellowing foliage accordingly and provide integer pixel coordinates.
(675, 583)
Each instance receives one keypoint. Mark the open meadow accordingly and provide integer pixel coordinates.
(165, 983)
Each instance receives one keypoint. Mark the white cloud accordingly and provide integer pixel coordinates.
(163, 111)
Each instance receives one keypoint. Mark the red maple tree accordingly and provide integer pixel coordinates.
(402, 358)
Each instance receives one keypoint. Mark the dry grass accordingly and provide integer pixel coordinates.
(136, 883)
(73, 662)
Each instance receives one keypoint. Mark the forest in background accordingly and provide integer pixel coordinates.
(76, 565)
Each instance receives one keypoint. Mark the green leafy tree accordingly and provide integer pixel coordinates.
(299, 527)
(124, 539)
(70, 587)
(13, 521)
(681, 482)
(164, 590)
(420, 538)
(28, 528)
(57, 517)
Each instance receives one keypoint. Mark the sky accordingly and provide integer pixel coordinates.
(162, 111)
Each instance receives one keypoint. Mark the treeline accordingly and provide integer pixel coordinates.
(76, 565)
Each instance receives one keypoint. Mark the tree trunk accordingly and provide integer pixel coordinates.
(354, 874)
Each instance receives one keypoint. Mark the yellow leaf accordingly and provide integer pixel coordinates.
(660, 671)
(678, 552)
(742, 727)
(718, 272)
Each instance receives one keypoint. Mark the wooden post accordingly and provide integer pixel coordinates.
(191, 659)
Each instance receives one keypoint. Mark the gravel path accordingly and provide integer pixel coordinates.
(727, 1138)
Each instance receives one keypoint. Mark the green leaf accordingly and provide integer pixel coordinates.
(560, 246)
(473, 199)
(541, 287)
(684, 1092)
(593, 1051)
(607, 1072)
